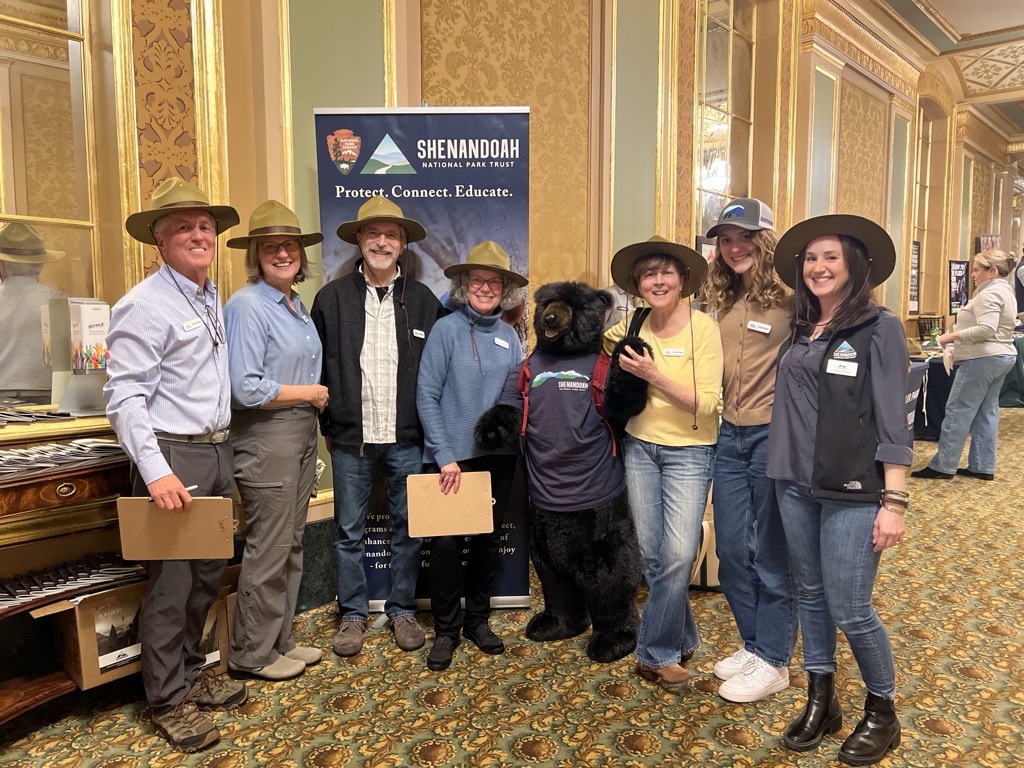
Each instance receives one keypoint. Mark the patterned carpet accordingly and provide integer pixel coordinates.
(952, 596)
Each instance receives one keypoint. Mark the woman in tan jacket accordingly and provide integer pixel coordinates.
(753, 309)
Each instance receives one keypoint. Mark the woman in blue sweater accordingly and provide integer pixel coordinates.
(467, 358)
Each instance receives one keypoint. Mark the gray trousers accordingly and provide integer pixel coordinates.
(275, 468)
(180, 592)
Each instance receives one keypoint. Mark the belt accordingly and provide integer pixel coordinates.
(210, 437)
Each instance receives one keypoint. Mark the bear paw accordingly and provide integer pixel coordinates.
(543, 627)
(498, 426)
(606, 647)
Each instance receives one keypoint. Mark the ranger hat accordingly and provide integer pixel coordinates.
(379, 208)
(171, 196)
(880, 250)
(625, 258)
(20, 243)
(488, 255)
(274, 218)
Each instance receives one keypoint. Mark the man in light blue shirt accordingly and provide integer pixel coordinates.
(169, 401)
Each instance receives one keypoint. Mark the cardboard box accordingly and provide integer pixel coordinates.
(97, 635)
(90, 320)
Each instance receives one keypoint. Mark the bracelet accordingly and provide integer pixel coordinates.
(891, 495)
(895, 510)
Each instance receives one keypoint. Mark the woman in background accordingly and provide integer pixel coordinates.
(983, 348)
(274, 360)
(838, 448)
(754, 312)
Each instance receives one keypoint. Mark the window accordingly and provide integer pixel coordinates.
(724, 106)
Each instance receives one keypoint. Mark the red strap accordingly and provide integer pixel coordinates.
(524, 390)
(597, 392)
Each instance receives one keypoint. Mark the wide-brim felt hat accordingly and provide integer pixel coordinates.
(625, 258)
(379, 208)
(274, 218)
(21, 243)
(879, 246)
(488, 255)
(172, 196)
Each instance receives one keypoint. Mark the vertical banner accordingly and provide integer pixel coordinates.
(914, 291)
(958, 285)
(464, 174)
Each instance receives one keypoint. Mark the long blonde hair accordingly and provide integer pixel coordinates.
(722, 286)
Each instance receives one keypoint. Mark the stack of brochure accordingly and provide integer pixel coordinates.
(17, 464)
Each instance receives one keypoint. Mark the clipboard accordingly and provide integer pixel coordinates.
(432, 513)
(205, 532)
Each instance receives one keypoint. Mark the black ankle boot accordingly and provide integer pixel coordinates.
(876, 733)
(821, 715)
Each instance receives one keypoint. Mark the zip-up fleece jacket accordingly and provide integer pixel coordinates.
(855, 434)
(339, 315)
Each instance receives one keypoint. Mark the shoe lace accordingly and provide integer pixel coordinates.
(753, 666)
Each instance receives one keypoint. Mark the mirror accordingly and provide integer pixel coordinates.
(44, 184)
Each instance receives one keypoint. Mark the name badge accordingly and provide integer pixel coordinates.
(673, 352)
(501, 343)
(192, 324)
(753, 325)
(842, 367)
(418, 333)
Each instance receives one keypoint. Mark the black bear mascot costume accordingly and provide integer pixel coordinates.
(582, 538)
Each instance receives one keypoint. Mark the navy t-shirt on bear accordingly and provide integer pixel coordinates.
(569, 462)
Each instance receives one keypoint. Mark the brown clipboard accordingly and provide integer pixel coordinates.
(205, 532)
(432, 513)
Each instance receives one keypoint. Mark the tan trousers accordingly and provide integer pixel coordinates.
(275, 466)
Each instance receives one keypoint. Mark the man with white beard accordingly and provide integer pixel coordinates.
(373, 324)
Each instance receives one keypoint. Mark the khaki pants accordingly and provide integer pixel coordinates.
(275, 468)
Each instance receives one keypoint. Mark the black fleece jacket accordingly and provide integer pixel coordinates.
(339, 315)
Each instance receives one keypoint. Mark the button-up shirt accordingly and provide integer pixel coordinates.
(378, 361)
(22, 364)
(168, 367)
(269, 345)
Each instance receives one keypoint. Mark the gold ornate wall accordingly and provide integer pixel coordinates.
(933, 86)
(687, 53)
(785, 116)
(860, 172)
(537, 53)
(164, 96)
(981, 201)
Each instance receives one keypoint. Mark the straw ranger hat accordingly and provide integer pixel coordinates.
(880, 250)
(274, 218)
(173, 195)
(379, 208)
(625, 258)
(488, 255)
(20, 243)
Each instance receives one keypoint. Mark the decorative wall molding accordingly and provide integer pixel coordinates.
(164, 98)
(991, 70)
(34, 45)
(935, 87)
(859, 45)
(970, 129)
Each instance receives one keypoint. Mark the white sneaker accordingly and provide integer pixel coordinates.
(757, 680)
(733, 665)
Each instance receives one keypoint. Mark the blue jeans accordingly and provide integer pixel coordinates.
(834, 568)
(668, 489)
(353, 478)
(973, 408)
(753, 561)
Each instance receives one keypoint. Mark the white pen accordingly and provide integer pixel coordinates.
(191, 487)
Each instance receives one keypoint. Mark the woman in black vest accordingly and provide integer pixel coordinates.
(838, 448)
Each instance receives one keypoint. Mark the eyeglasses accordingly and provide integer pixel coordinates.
(495, 283)
(271, 248)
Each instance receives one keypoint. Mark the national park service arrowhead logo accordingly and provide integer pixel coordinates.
(343, 146)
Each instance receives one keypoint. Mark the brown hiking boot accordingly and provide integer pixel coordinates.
(217, 692)
(349, 640)
(409, 634)
(188, 729)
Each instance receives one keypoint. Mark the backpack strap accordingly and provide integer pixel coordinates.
(597, 382)
(637, 320)
(524, 390)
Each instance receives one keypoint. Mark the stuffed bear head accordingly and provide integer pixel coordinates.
(569, 318)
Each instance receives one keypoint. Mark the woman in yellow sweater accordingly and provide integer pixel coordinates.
(670, 446)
